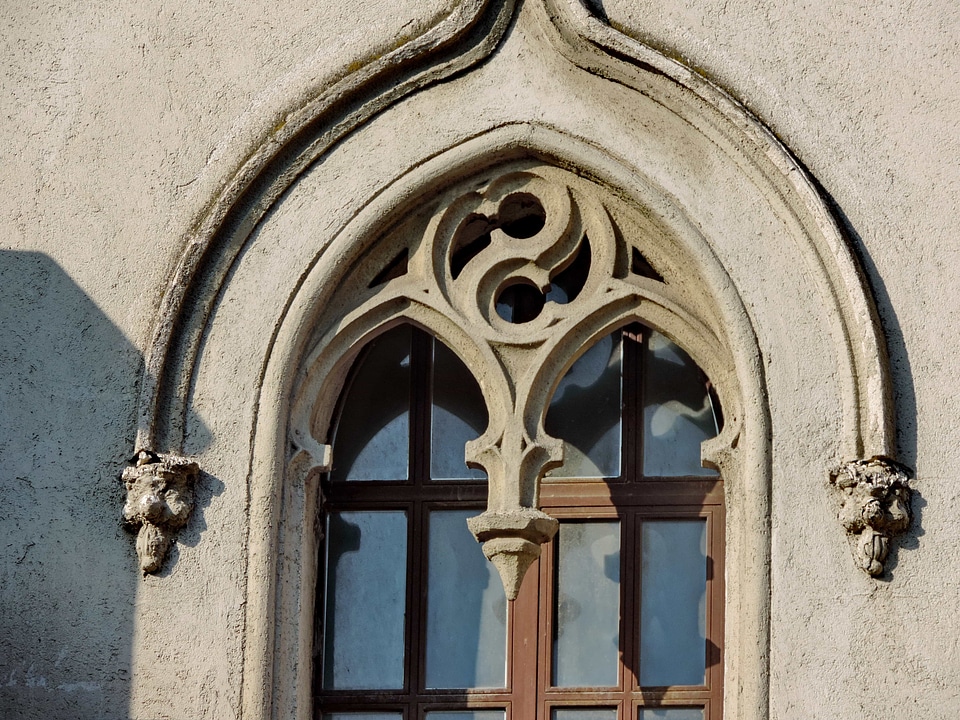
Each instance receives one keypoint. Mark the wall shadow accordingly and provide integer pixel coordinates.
(68, 396)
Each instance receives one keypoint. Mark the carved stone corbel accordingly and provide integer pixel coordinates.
(874, 506)
(511, 541)
(159, 502)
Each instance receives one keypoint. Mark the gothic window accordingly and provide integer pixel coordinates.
(498, 367)
(631, 208)
(620, 618)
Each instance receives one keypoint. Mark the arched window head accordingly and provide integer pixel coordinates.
(502, 365)
(518, 271)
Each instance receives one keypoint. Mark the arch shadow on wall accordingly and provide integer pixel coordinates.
(548, 82)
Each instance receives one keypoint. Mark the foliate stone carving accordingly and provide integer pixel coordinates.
(160, 496)
(875, 505)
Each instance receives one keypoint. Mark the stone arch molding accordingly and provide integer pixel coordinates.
(286, 275)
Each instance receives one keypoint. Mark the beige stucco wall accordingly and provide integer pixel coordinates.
(868, 98)
(120, 121)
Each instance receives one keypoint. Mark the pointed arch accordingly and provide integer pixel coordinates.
(759, 269)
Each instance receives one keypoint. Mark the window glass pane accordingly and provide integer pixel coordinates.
(585, 413)
(366, 599)
(673, 602)
(467, 715)
(584, 714)
(373, 435)
(677, 413)
(672, 714)
(586, 634)
(459, 415)
(466, 608)
(363, 716)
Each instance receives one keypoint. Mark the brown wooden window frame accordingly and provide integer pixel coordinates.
(631, 498)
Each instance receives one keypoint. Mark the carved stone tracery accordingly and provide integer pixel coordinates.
(518, 274)
(703, 208)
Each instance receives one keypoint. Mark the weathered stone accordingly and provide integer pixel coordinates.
(160, 496)
(512, 540)
(874, 506)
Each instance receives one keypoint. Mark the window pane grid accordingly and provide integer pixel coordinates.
(587, 412)
(583, 712)
(587, 607)
(362, 544)
(466, 616)
(458, 414)
(631, 497)
(373, 430)
(652, 369)
(672, 612)
(672, 713)
(629, 688)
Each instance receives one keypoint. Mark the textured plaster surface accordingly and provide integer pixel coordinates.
(868, 98)
(114, 119)
(119, 122)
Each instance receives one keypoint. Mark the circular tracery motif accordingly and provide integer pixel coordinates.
(515, 252)
(518, 274)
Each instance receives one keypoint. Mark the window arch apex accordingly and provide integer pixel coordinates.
(518, 271)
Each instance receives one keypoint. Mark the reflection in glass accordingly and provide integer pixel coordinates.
(673, 606)
(671, 714)
(466, 608)
(363, 716)
(587, 605)
(520, 302)
(459, 415)
(373, 436)
(566, 285)
(583, 713)
(585, 413)
(366, 599)
(467, 715)
(677, 414)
